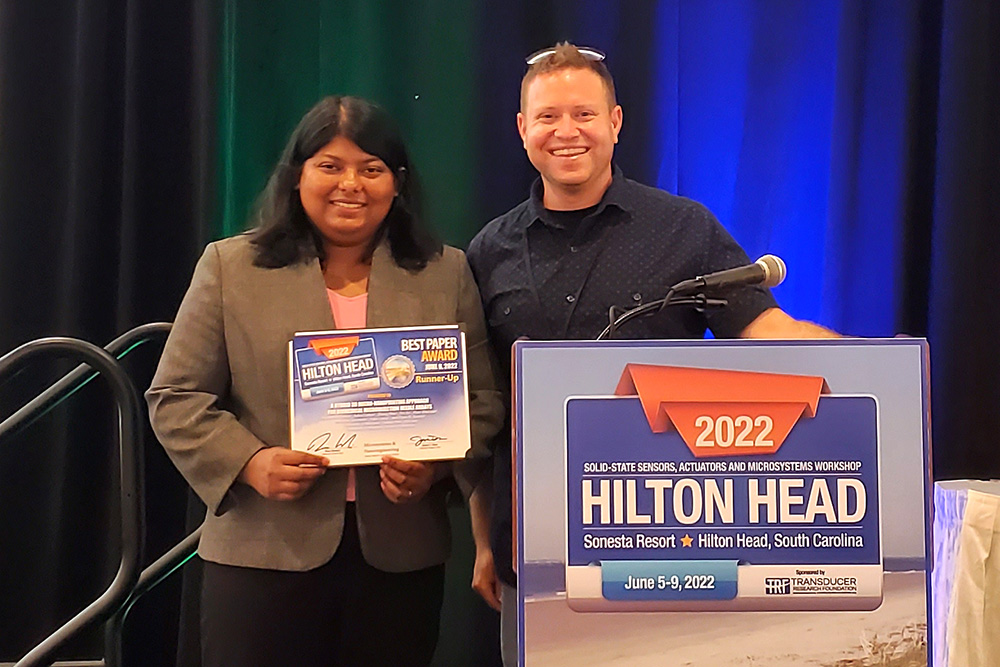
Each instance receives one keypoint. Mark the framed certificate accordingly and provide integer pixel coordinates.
(358, 395)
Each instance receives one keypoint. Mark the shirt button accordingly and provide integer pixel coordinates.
(506, 311)
(573, 248)
(570, 298)
(637, 297)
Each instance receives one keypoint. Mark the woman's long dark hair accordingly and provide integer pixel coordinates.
(283, 233)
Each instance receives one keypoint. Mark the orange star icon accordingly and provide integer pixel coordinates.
(687, 540)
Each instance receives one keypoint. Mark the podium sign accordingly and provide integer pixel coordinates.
(719, 476)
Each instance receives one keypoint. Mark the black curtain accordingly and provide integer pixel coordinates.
(106, 177)
(965, 289)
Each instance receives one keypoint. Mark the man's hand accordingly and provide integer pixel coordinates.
(775, 323)
(484, 577)
(278, 473)
(405, 481)
(484, 572)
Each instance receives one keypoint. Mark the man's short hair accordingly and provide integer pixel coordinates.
(567, 56)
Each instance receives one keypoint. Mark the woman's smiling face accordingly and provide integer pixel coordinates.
(346, 193)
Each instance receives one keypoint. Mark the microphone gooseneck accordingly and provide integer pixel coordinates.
(768, 271)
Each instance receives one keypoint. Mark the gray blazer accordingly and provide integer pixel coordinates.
(220, 394)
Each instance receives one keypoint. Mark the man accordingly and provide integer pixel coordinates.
(588, 238)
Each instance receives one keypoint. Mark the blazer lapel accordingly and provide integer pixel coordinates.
(401, 298)
(301, 293)
(384, 285)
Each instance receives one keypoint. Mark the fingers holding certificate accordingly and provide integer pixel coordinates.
(282, 474)
(405, 481)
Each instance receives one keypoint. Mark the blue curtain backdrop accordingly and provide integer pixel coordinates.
(790, 120)
(857, 140)
(791, 126)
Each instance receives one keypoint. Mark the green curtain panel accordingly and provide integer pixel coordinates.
(410, 57)
(413, 58)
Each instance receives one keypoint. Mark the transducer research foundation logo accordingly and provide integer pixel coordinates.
(810, 582)
(778, 586)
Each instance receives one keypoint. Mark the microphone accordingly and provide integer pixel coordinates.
(768, 271)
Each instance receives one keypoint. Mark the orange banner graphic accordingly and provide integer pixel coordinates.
(722, 412)
(334, 348)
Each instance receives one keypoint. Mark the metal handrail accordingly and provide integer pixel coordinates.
(130, 472)
(169, 562)
(156, 572)
(75, 380)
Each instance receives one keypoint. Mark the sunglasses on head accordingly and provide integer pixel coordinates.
(585, 51)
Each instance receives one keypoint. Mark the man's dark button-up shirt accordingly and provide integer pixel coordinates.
(550, 275)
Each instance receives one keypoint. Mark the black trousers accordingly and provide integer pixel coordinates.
(343, 613)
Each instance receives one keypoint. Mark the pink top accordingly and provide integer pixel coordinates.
(349, 312)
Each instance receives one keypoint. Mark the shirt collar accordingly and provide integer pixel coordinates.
(615, 195)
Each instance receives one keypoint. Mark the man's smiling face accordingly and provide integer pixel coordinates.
(569, 129)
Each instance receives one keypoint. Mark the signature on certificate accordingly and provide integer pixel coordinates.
(425, 440)
(321, 443)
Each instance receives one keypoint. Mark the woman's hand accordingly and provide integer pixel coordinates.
(278, 473)
(405, 481)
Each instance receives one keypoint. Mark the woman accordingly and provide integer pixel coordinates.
(308, 565)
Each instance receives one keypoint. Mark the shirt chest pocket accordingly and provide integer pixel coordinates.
(513, 314)
(510, 305)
